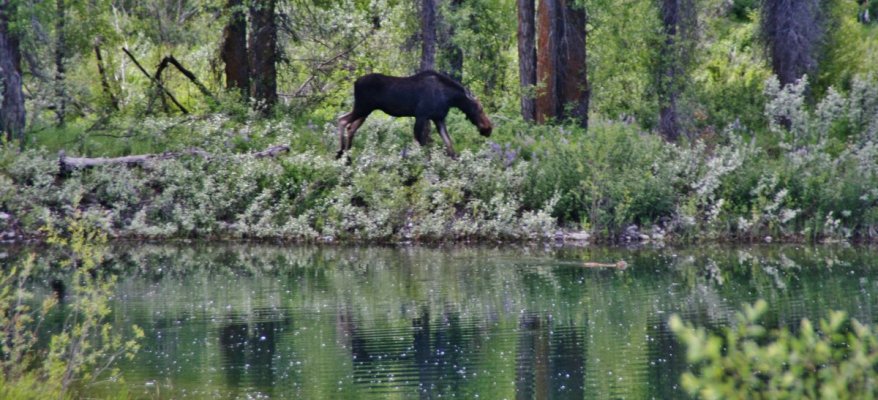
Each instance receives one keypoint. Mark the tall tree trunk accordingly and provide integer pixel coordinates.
(263, 54)
(234, 49)
(527, 57)
(561, 62)
(60, 50)
(12, 112)
(792, 30)
(547, 60)
(678, 21)
(428, 34)
(575, 90)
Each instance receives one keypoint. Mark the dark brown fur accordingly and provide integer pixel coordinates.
(427, 96)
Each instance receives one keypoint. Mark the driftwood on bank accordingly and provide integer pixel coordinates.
(69, 164)
(621, 264)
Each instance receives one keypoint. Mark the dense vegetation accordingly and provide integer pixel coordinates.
(689, 134)
(53, 345)
(835, 360)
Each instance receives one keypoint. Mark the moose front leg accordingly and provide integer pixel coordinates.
(352, 130)
(449, 146)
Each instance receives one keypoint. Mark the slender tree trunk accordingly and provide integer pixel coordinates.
(263, 54)
(12, 112)
(234, 49)
(792, 30)
(428, 34)
(561, 62)
(105, 81)
(527, 57)
(679, 20)
(60, 50)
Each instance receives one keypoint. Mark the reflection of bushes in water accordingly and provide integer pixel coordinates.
(707, 281)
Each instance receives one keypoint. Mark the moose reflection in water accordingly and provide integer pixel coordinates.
(427, 96)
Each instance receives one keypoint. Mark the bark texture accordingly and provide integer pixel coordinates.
(263, 54)
(792, 30)
(678, 22)
(234, 49)
(12, 112)
(561, 62)
(60, 50)
(428, 34)
(527, 57)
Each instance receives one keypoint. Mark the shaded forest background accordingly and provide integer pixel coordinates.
(688, 67)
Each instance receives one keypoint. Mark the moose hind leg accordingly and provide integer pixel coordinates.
(422, 131)
(449, 146)
(343, 123)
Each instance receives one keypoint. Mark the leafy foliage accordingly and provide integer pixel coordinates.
(82, 345)
(836, 360)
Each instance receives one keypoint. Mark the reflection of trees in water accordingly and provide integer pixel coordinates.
(248, 351)
(434, 355)
(668, 358)
(420, 315)
(550, 359)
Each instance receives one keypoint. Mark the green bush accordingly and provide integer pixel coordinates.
(837, 360)
(44, 356)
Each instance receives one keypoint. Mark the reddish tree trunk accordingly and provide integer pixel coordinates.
(527, 57)
(12, 112)
(234, 49)
(263, 54)
(561, 63)
(547, 60)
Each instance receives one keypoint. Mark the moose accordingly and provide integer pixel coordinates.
(427, 96)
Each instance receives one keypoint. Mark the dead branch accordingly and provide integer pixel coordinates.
(69, 164)
(170, 60)
(155, 81)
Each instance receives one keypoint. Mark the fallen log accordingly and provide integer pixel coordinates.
(69, 164)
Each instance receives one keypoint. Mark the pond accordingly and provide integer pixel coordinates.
(253, 321)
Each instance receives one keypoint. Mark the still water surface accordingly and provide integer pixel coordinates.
(491, 323)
